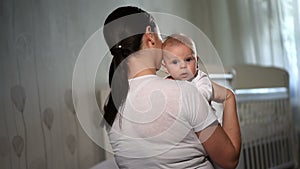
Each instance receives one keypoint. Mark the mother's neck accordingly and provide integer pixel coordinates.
(140, 66)
(142, 73)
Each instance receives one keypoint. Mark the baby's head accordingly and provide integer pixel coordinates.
(180, 57)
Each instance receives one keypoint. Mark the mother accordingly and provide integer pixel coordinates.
(157, 123)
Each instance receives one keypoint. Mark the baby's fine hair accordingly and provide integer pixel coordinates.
(180, 39)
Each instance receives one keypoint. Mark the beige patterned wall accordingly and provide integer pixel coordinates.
(40, 41)
(39, 44)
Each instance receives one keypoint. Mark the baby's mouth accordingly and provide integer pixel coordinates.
(184, 75)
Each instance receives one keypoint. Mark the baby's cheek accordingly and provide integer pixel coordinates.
(193, 69)
(173, 69)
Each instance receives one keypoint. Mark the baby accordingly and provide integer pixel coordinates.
(181, 62)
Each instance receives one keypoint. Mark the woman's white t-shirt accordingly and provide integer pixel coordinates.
(157, 124)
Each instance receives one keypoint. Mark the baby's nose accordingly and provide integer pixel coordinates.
(183, 64)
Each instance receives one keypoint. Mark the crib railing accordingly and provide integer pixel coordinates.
(266, 131)
(265, 118)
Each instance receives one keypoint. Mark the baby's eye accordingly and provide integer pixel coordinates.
(189, 59)
(174, 61)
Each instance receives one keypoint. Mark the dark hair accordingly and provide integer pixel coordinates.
(123, 31)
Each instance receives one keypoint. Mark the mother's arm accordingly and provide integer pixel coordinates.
(223, 143)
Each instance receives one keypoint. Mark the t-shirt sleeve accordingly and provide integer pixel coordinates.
(203, 84)
(198, 113)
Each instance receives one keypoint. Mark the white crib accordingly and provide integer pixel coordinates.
(264, 111)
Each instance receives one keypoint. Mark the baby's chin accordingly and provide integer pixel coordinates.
(185, 78)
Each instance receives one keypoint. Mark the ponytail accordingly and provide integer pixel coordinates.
(118, 82)
(123, 32)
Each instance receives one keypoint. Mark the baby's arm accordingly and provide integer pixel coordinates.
(219, 92)
(204, 85)
(211, 90)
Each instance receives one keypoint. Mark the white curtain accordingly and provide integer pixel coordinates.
(269, 38)
(261, 32)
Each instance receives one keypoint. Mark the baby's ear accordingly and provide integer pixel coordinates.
(163, 67)
(163, 63)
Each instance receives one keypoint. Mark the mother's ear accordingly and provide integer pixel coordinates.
(150, 39)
